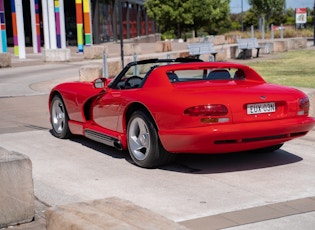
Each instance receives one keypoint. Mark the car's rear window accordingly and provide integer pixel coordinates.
(206, 74)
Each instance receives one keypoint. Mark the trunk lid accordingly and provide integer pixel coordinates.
(246, 101)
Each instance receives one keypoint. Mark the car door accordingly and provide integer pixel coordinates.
(107, 109)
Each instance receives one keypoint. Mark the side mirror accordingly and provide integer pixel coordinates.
(100, 83)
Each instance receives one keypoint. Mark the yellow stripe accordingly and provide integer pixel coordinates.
(16, 50)
(80, 33)
(78, 1)
(86, 6)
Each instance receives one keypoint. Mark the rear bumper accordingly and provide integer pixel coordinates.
(226, 138)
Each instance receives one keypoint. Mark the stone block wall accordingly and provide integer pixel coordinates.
(5, 60)
(56, 55)
(16, 189)
(94, 51)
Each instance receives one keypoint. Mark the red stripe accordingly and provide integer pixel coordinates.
(79, 13)
(14, 25)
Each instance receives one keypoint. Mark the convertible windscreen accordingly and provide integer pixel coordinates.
(205, 74)
(134, 74)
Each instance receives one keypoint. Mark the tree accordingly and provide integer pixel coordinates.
(250, 19)
(179, 15)
(272, 10)
(220, 20)
(290, 12)
(168, 14)
(290, 16)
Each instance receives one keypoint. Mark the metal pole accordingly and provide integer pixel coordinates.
(281, 31)
(242, 16)
(105, 65)
(263, 28)
(121, 34)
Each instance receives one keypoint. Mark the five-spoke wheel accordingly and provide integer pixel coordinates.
(59, 118)
(143, 142)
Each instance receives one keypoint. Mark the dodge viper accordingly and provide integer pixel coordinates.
(158, 108)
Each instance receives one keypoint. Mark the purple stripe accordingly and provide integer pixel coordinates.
(36, 5)
(1, 5)
(57, 16)
(57, 23)
(38, 43)
(15, 40)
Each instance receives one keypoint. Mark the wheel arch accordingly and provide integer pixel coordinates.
(52, 95)
(136, 107)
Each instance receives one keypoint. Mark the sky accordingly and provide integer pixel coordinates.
(236, 5)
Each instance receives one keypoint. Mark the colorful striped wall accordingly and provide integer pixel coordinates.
(83, 20)
(57, 17)
(37, 22)
(79, 20)
(14, 27)
(3, 34)
(87, 22)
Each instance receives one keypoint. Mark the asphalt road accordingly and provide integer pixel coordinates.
(36, 79)
(67, 171)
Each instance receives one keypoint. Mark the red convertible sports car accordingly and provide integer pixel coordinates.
(156, 109)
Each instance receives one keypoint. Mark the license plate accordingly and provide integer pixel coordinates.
(261, 108)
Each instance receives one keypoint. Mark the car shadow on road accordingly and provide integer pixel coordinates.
(205, 163)
(231, 162)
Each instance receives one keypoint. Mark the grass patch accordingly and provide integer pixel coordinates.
(293, 68)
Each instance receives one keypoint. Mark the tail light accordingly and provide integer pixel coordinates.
(212, 113)
(304, 106)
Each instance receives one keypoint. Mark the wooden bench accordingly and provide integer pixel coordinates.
(245, 44)
(197, 49)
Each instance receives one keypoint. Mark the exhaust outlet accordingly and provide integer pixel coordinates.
(117, 145)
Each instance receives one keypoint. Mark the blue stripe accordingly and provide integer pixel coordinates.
(4, 41)
(2, 17)
(13, 6)
(80, 48)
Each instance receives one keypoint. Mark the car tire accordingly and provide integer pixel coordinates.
(59, 118)
(143, 142)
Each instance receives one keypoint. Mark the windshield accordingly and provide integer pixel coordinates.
(134, 74)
